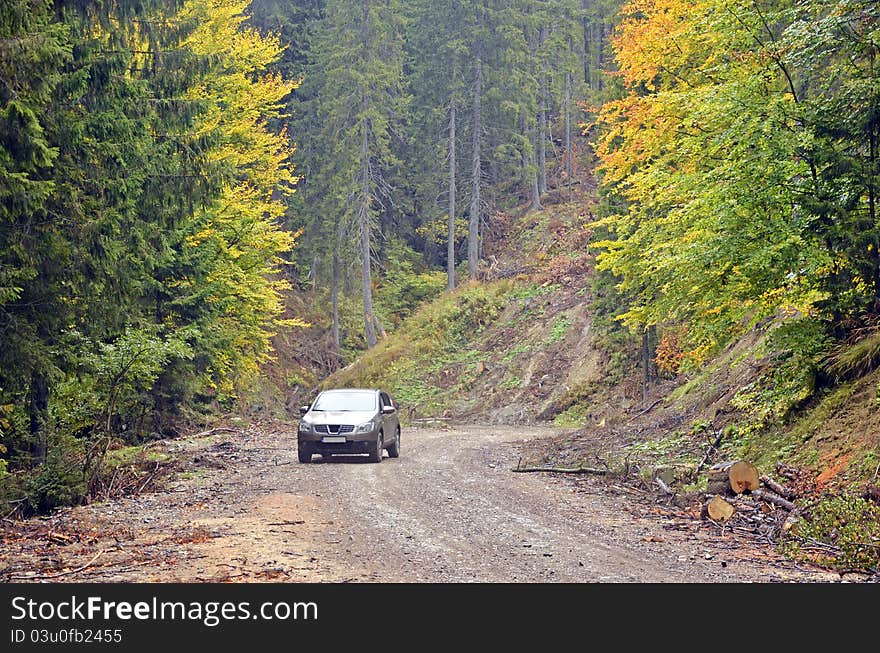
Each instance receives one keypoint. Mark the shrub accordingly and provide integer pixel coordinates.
(404, 288)
(796, 348)
(849, 526)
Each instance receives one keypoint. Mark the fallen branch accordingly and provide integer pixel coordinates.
(61, 573)
(778, 488)
(562, 470)
(770, 497)
(632, 419)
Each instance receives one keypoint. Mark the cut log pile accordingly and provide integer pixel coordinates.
(739, 497)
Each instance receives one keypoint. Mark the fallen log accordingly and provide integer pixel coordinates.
(633, 419)
(562, 470)
(717, 509)
(738, 476)
(775, 499)
(778, 488)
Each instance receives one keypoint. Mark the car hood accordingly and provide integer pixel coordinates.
(354, 417)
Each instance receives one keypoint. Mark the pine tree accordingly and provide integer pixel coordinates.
(358, 66)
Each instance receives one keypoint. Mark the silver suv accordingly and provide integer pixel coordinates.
(349, 421)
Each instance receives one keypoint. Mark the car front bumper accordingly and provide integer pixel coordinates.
(352, 442)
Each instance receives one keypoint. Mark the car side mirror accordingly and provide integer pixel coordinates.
(387, 410)
(303, 410)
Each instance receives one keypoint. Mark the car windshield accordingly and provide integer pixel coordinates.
(346, 401)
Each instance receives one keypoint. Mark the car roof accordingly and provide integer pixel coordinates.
(351, 390)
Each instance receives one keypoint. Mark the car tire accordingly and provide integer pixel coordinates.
(376, 452)
(394, 449)
(304, 454)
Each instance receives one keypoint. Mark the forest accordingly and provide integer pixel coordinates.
(184, 181)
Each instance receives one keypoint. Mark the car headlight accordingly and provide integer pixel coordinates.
(305, 427)
(366, 428)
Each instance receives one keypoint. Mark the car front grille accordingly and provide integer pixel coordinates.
(333, 428)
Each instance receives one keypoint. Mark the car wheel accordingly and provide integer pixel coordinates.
(376, 452)
(304, 454)
(394, 449)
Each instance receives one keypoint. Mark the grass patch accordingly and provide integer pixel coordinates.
(516, 351)
(559, 330)
(572, 417)
(812, 422)
(435, 351)
(194, 476)
(511, 383)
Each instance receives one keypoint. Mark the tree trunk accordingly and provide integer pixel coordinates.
(364, 219)
(542, 118)
(872, 208)
(777, 487)
(38, 407)
(646, 362)
(567, 101)
(600, 57)
(529, 169)
(476, 167)
(334, 296)
(366, 199)
(450, 227)
(588, 53)
(532, 171)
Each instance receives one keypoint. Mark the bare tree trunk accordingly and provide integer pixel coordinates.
(600, 58)
(588, 51)
(645, 365)
(334, 295)
(567, 101)
(542, 119)
(872, 189)
(450, 227)
(366, 199)
(531, 172)
(364, 219)
(476, 168)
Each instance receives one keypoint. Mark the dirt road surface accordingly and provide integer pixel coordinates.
(448, 510)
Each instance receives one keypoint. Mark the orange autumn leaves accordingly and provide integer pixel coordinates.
(697, 157)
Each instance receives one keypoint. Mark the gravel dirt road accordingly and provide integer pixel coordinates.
(448, 510)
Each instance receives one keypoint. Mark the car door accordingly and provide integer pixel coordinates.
(389, 421)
